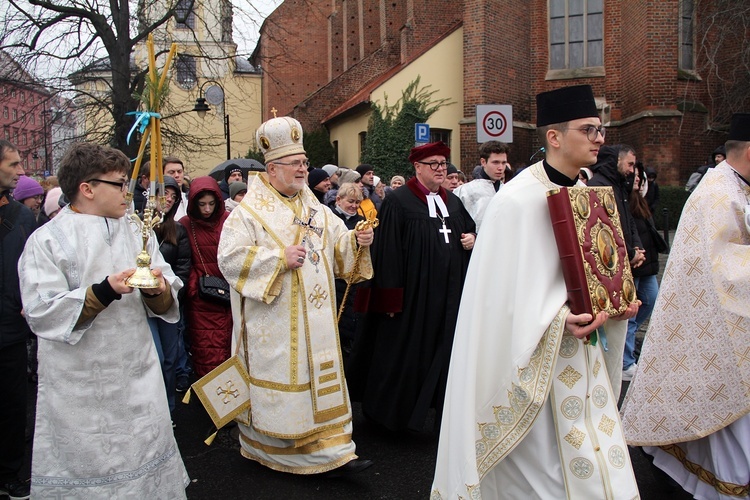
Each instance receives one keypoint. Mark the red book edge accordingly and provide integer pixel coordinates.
(571, 256)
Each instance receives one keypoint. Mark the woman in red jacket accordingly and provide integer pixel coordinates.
(209, 323)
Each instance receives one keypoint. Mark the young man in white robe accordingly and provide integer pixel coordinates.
(280, 251)
(529, 411)
(103, 428)
(476, 195)
(689, 406)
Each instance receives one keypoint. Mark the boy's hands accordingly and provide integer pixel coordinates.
(117, 281)
(152, 292)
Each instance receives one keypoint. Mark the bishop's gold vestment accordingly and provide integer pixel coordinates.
(300, 415)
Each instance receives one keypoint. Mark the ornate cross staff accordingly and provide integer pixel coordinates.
(361, 226)
(307, 228)
(149, 124)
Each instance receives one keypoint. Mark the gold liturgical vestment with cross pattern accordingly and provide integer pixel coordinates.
(529, 409)
(693, 376)
(299, 401)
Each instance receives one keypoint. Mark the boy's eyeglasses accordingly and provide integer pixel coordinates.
(122, 185)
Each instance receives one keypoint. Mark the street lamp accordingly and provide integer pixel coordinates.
(214, 95)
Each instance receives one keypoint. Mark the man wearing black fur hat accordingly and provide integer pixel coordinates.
(529, 412)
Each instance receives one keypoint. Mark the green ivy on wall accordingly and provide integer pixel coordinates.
(390, 131)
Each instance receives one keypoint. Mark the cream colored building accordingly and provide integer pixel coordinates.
(207, 66)
(440, 67)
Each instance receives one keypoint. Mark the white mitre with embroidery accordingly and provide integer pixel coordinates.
(279, 137)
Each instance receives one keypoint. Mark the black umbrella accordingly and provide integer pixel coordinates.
(246, 164)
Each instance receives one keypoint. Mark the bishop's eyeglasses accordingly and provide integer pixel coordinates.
(435, 165)
(295, 163)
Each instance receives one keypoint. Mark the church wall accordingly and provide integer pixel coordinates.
(496, 71)
(442, 69)
(294, 44)
(208, 144)
(433, 71)
(335, 42)
(345, 133)
(664, 113)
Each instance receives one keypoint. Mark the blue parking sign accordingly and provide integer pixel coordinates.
(421, 132)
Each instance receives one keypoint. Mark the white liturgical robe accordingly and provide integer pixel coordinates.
(476, 196)
(689, 404)
(529, 410)
(103, 428)
(300, 415)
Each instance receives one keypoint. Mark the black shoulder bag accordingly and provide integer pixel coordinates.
(211, 288)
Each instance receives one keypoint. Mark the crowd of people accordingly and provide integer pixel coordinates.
(428, 292)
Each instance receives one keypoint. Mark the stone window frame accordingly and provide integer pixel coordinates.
(687, 69)
(186, 71)
(592, 33)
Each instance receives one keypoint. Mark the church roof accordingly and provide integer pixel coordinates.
(12, 71)
(362, 96)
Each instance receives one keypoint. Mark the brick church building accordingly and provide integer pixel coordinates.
(667, 75)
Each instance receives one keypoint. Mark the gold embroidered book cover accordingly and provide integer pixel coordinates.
(592, 249)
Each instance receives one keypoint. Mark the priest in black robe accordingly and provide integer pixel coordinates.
(420, 255)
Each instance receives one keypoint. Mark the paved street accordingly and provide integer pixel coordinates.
(403, 467)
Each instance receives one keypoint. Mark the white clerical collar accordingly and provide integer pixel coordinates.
(435, 203)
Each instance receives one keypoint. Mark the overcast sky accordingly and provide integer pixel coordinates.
(248, 17)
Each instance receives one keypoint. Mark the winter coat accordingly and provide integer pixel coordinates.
(13, 327)
(139, 198)
(606, 174)
(177, 256)
(651, 265)
(209, 323)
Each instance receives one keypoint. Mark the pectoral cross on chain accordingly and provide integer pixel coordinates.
(445, 231)
(307, 227)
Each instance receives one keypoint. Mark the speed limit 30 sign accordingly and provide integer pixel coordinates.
(494, 122)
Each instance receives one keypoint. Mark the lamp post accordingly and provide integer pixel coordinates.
(214, 95)
(47, 132)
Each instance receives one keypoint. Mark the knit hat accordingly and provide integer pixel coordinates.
(235, 188)
(349, 176)
(26, 188)
(375, 181)
(51, 203)
(316, 176)
(565, 104)
(364, 168)
(427, 150)
(279, 137)
(330, 169)
(451, 169)
(232, 168)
